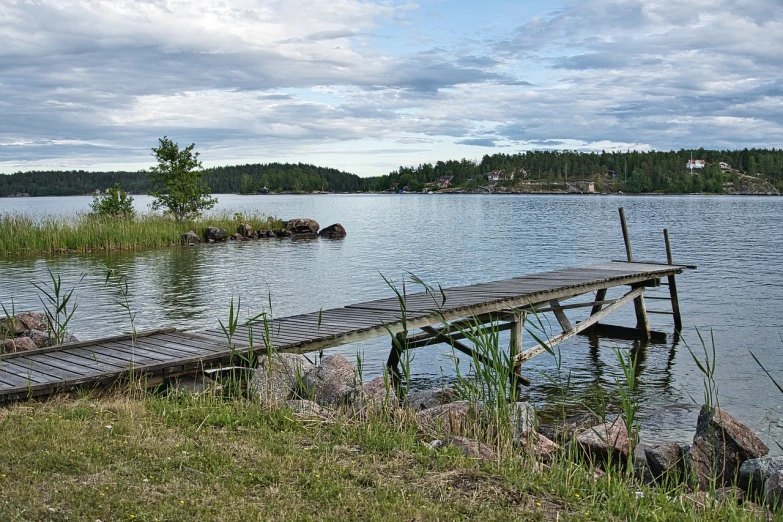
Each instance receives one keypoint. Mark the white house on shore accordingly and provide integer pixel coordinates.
(695, 164)
(499, 175)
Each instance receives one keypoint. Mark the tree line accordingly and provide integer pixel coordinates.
(245, 179)
(631, 171)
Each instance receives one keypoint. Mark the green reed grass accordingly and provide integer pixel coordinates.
(22, 233)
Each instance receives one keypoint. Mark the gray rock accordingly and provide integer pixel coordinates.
(565, 430)
(279, 378)
(773, 489)
(40, 338)
(469, 447)
(377, 394)
(455, 417)
(302, 226)
(189, 238)
(283, 233)
(262, 234)
(538, 445)
(335, 231)
(246, 230)
(193, 384)
(213, 234)
(607, 442)
(334, 382)
(720, 446)
(665, 460)
(523, 419)
(20, 344)
(753, 473)
(306, 408)
(430, 398)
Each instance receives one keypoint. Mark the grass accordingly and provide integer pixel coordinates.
(21, 233)
(183, 457)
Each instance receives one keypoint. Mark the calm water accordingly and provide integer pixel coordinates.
(736, 294)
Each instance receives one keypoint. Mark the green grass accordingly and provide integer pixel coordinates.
(21, 233)
(116, 457)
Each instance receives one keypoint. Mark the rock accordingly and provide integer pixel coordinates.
(773, 488)
(246, 230)
(377, 394)
(721, 444)
(302, 226)
(70, 339)
(522, 416)
(213, 234)
(335, 231)
(193, 384)
(237, 237)
(278, 378)
(605, 442)
(283, 233)
(189, 238)
(38, 337)
(334, 382)
(563, 431)
(306, 408)
(454, 417)
(20, 344)
(538, 445)
(262, 234)
(665, 460)
(469, 447)
(430, 398)
(16, 325)
(733, 493)
(753, 473)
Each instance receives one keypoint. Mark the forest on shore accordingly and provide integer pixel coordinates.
(632, 171)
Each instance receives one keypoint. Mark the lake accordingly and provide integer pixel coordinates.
(735, 296)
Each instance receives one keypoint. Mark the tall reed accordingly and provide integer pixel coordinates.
(81, 232)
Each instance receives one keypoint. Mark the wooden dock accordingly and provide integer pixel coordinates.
(416, 320)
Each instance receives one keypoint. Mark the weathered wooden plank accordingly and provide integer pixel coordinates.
(53, 367)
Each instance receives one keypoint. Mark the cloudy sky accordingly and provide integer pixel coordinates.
(368, 85)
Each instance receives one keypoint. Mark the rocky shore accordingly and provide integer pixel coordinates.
(725, 459)
(28, 331)
(299, 228)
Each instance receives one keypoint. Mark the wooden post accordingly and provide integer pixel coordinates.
(515, 348)
(672, 284)
(393, 362)
(641, 311)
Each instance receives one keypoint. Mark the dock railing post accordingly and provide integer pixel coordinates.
(514, 348)
(672, 284)
(642, 322)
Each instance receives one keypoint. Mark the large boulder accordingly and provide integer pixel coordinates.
(335, 231)
(189, 238)
(773, 489)
(665, 460)
(334, 383)
(16, 325)
(720, 446)
(19, 344)
(377, 394)
(246, 230)
(429, 398)
(754, 473)
(606, 443)
(455, 417)
(214, 234)
(302, 226)
(279, 378)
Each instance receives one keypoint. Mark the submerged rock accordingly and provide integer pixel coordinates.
(335, 231)
(720, 446)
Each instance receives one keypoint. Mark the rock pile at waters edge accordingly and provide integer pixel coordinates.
(299, 228)
(27, 331)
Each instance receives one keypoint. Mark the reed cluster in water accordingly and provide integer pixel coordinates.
(22, 233)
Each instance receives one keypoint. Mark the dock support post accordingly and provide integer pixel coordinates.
(641, 311)
(515, 348)
(672, 284)
(393, 362)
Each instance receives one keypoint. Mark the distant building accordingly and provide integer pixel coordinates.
(695, 164)
(724, 166)
(499, 175)
(443, 182)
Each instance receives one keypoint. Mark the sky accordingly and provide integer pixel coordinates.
(369, 85)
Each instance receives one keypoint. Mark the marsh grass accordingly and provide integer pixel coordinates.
(81, 232)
